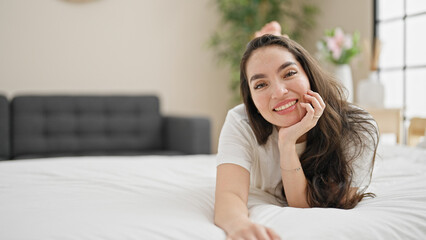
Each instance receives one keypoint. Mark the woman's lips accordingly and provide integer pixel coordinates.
(286, 106)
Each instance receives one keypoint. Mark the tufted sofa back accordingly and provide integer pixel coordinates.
(85, 125)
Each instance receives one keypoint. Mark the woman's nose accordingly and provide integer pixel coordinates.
(279, 90)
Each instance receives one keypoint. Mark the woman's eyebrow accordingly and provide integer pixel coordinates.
(257, 76)
(286, 64)
(261, 75)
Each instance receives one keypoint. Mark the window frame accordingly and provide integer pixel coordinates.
(404, 68)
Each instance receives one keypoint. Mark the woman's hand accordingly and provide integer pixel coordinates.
(314, 106)
(252, 231)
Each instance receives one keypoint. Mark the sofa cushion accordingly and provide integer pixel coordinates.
(77, 125)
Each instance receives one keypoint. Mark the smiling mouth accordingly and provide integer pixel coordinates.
(283, 107)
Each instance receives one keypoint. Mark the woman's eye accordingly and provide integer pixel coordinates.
(290, 73)
(259, 86)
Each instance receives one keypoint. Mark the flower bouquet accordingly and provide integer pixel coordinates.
(338, 47)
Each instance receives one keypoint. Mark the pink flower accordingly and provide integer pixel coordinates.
(339, 36)
(338, 42)
(339, 47)
(334, 47)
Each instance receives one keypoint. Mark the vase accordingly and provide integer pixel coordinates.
(343, 73)
(370, 92)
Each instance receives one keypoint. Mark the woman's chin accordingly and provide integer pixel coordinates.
(288, 120)
(286, 124)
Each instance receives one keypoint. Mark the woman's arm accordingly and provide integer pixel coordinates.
(293, 177)
(232, 187)
(231, 213)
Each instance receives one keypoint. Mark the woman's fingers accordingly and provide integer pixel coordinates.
(272, 234)
(262, 233)
(310, 113)
(317, 103)
(317, 97)
(254, 232)
(309, 108)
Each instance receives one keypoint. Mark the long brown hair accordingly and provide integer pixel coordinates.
(333, 144)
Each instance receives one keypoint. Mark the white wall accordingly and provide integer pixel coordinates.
(351, 16)
(115, 47)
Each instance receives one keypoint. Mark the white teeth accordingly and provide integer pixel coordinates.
(285, 106)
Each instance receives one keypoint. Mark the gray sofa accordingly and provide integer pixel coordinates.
(4, 129)
(51, 126)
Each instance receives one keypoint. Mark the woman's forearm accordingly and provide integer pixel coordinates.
(293, 177)
(230, 211)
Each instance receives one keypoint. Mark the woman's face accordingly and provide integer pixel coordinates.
(277, 85)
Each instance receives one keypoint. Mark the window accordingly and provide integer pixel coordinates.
(399, 25)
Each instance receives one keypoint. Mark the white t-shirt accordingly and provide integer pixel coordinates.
(238, 145)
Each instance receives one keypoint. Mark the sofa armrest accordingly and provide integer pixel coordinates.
(4, 129)
(189, 135)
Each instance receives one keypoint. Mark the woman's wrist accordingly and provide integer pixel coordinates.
(287, 147)
(237, 224)
(288, 157)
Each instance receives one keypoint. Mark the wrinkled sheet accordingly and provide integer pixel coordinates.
(172, 197)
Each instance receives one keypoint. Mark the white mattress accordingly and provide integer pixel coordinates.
(172, 197)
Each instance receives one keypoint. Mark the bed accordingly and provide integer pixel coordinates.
(166, 196)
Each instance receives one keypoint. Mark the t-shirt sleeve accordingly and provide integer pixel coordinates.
(236, 141)
(363, 164)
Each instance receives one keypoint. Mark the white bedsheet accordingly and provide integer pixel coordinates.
(154, 197)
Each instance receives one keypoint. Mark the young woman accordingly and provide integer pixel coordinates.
(295, 137)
